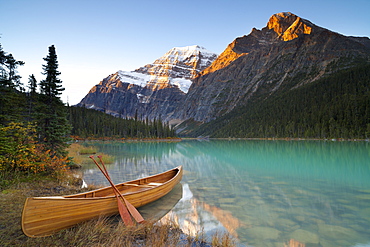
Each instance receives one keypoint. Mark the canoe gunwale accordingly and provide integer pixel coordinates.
(75, 196)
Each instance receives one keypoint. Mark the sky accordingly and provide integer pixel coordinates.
(94, 39)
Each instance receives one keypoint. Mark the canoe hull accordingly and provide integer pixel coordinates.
(43, 216)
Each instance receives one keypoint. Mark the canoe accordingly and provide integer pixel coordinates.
(43, 216)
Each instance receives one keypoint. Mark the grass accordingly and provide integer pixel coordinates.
(100, 232)
(88, 150)
(80, 154)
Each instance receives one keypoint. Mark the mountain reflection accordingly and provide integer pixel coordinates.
(194, 216)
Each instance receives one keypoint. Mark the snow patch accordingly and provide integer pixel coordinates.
(182, 84)
(135, 78)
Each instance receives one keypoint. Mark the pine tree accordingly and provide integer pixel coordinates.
(2, 65)
(11, 100)
(32, 84)
(52, 85)
(32, 97)
(53, 126)
(13, 78)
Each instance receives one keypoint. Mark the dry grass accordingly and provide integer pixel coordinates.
(110, 232)
(223, 239)
(88, 150)
(11, 205)
(81, 154)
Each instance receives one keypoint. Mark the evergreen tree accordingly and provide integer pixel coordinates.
(32, 84)
(2, 64)
(11, 100)
(32, 97)
(13, 79)
(53, 126)
(52, 85)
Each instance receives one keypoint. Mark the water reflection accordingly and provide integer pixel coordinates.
(194, 216)
(267, 193)
(159, 208)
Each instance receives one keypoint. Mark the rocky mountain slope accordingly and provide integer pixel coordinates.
(286, 54)
(151, 91)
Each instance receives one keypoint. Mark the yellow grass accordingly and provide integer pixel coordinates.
(80, 154)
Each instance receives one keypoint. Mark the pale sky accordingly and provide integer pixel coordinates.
(94, 39)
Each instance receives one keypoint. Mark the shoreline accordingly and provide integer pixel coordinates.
(179, 139)
(289, 139)
(172, 139)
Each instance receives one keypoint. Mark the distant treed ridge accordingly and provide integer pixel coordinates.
(95, 124)
(337, 106)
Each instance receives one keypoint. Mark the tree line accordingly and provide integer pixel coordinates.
(337, 106)
(89, 123)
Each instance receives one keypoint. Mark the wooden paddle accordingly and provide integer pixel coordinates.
(125, 215)
(133, 211)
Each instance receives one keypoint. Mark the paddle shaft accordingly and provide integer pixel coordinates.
(133, 211)
(123, 210)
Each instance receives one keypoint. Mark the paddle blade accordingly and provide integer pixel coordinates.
(133, 211)
(124, 207)
(125, 216)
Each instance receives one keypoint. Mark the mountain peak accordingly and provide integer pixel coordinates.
(177, 67)
(289, 26)
(189, 49)
(192, 48)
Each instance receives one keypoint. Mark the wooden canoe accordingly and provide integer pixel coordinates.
(43, 216)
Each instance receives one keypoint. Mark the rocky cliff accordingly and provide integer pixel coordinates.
(153, 90)
(289, 52)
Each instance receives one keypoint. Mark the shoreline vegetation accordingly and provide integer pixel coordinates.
(179, 139)
(289, 139)
(103, 231)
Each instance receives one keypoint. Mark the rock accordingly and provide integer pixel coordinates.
(285, 223)
(226, 200)
(289, 26)
(337, 232)
(262, 233)
(305, 237)
(75, 166)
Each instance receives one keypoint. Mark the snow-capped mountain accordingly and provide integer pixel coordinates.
(152, 90)
(176, 68)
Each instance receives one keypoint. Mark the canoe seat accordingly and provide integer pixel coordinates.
(155, 184)
(146, 185)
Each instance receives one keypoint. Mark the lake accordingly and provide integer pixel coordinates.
(264, 193)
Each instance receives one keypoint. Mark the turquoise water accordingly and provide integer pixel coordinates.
(265, 193)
